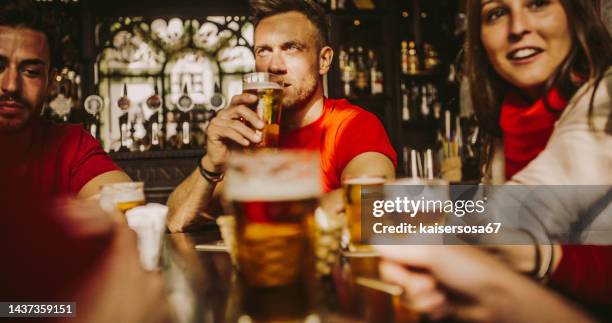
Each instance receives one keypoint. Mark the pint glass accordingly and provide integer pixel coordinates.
(122, 196)
(353, 187)
(269, 89)
(273, 196)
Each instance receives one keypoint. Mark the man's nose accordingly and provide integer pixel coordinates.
(277, 63)
(9, 81)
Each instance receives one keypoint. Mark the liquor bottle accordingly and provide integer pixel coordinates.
(362, 82)
(348, 76)
(404, 57)
(343, 62)
(424, 102)
(376, 74)
(413, 59)
(431, 58)
(124, 104)
(405, 102)
(434, 101)
(415, 100)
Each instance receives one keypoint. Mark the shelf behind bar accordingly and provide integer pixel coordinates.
(164, 154)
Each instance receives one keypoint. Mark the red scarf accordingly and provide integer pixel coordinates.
(527, 126)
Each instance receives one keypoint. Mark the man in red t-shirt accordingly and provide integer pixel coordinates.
(53, 159)
(291, 40)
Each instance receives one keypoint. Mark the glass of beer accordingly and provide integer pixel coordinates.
(122, 196)
(273, 195)
(433, 194)
(269, 89)
(353, 187)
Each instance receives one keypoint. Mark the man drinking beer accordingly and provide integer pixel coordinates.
(291, 40)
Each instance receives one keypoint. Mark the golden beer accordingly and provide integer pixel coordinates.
(432, 193)
(125, 206)
(122, 196)
(273, 196)
(269, 89)
(353, 186)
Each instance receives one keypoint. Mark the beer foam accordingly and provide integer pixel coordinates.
(273, 176)
(365, 181)
(262, 86)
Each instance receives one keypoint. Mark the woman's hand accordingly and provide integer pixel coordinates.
(468, 284)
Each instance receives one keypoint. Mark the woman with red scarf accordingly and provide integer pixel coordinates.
(540, 79)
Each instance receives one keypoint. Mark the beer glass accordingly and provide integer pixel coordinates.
(353, 187)
(273, 195)
(122, 196)
(433, 194)
(269, 89)
(359, 302)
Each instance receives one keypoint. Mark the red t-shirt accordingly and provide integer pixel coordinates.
(341, 133)
(60, 159)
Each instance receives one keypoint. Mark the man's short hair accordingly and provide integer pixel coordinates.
(27, 14)
(309, 8)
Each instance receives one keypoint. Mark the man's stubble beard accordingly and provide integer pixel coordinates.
(302, 98)
(13, 126)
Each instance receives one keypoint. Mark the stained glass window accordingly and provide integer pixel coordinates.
(199, 55)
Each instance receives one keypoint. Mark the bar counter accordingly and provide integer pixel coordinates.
(204, 287)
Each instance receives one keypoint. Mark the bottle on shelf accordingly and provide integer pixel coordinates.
(431, 57)
(348, 74)
(414, 97)
(404, 57)
(413, 59)
(362, 83)
(376, 74)
(405, 102)
(424, 102)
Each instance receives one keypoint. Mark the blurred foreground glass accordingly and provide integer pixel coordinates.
(362, 302)
(433, 195)
(122, 196)
(353, 187)
(149, 223)
(269, 89)
(273, 196)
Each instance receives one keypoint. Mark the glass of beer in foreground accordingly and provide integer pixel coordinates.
(273, 195)
(122, 196)
(269, 89)
(353, 186)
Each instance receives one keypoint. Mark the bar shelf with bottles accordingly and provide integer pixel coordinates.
(430, 128)
(361, 68)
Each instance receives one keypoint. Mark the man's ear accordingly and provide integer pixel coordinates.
(326, 55)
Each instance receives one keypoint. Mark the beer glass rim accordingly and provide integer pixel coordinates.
(255, 77)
